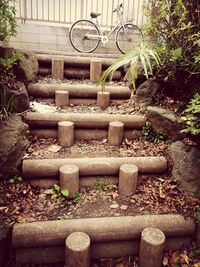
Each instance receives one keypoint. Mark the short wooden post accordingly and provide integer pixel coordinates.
(95, 69)
(62, 98)
(103, 99)
(65, 133)
(69, 178)
(128, 174)
(77, 250)
(115, 133)
(57, 68)
(151, 247)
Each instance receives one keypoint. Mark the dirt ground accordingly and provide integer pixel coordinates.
(49, 148)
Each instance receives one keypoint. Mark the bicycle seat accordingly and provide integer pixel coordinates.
(94, 15)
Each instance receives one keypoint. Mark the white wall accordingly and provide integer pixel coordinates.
(47, 22)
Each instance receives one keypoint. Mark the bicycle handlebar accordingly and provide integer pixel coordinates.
(118, 7)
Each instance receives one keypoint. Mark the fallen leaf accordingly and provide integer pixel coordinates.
(127, 142)
(184, 256)
(114, 206)
(124, 207)
(161, 193)
(165, 261)
(54, 148)
(114, 195)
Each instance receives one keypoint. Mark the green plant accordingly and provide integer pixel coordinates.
(7, 81)
(149, 134)
(57, 193)
(102, 184)
(7, 75)
(15, 177)
(78, 198)
(174, 30)
(8, 23)
(142, 58)
(192, 116)
(63, 217)
(6, 104)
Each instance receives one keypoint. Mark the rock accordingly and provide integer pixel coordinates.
(20, 97)
(186, 166)
(165, 122)
(145, 93)
(13, 136)
(4, 245)
(6, 52)
(26, 69)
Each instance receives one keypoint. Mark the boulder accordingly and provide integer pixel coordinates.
(4, 240)
(186, 166)
(13, 136)
(26, 69)
(20, 97)
(146, 92)
(165, 122)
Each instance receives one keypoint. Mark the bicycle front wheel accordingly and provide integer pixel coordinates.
(83, 36)
(128, 37)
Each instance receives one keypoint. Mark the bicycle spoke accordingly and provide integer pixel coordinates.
(128, 37)
(80, 36)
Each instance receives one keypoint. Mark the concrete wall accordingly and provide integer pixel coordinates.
(52, 38)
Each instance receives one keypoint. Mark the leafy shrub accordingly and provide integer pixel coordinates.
(8, 23)
(6, 104)
(7, 80)
(142, 58)
(174, 30)
(149, 134)
(57, 193)
(192, 116)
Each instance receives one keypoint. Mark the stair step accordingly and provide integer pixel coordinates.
(44, 242)
(92, 166)
(81, 120)
(77, 90)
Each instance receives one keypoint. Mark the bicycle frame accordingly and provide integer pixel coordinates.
(104, 38)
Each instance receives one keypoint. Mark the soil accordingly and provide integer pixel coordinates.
(48, 148)
(154, 195)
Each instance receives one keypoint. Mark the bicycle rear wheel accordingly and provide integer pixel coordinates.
(79, 36)
(128, 37)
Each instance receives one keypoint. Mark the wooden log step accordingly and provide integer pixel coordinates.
(75, 61)
(107, 229)
(84, 134)
(75, 73)
(80, 120)
(101, 250)
(77, 90)
(92, 166)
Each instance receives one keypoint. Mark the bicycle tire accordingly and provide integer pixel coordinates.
(126, 41)
(77, 36)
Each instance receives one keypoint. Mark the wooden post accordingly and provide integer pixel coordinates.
(95, 69)
(57, 68)
(103, 99)
(115, 133)
(128, 174)
(69, 178)
(77, 250)
(151, 247)
(62, 98)
(65, 133)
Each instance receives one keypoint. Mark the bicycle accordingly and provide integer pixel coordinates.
(85, 35)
